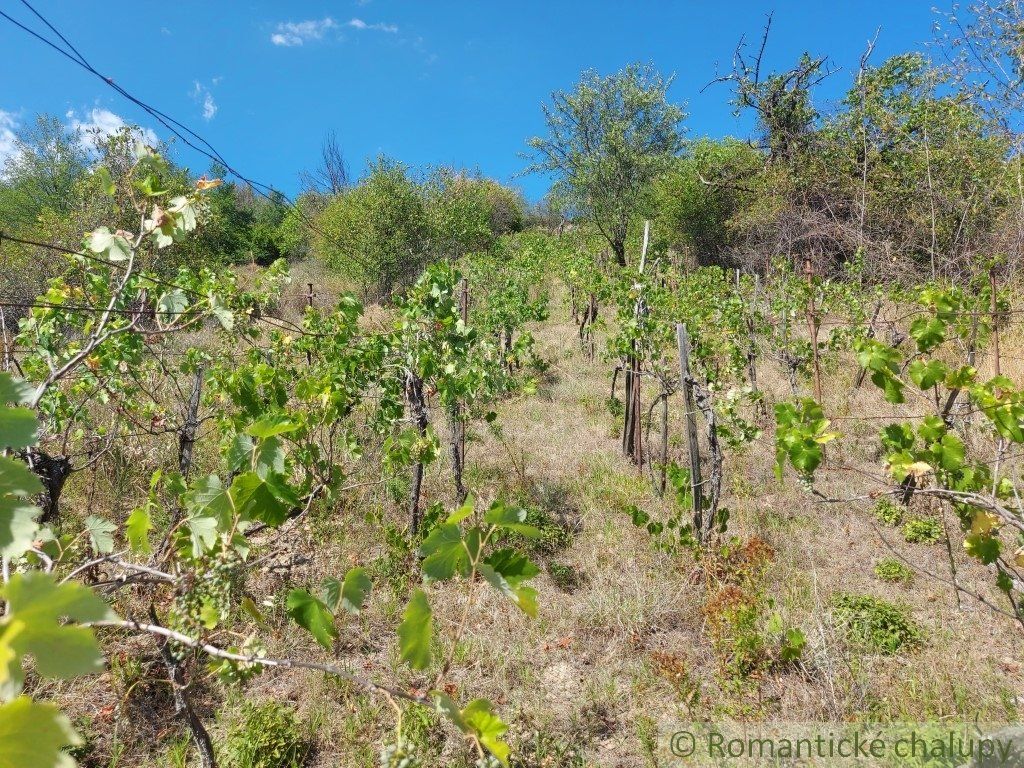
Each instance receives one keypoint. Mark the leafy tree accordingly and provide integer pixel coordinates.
(506, 209)
(925, 160)
(243, 227)
(607, 141)
(467, 213)
(458, 208)
(694, 202)
(42, 173)
(376, 233)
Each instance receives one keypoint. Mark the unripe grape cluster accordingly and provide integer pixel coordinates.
(205, 598)
(233, 672)
(398, 756)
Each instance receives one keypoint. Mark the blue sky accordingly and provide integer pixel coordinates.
(424, 82)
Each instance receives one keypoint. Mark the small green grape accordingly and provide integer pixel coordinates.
(395, 756)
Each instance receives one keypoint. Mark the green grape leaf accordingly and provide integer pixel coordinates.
(171, 305)
(927, 375)
(33, 735)
(512, 519)
(202, 530)
(17, 428)
(185, 212)
(445, 706)
(897, 437)
(36, 607)
(311, 614)
(269, 457)
(268, 499)
(950, 452)
(99, 240)
(355, 589)
(136, 530)
(17, 479)
(461, 513)
(274, 425)
(793, 643)
(224, 316)
(875, 356)
(487, 727)
(444, 552)
(101, 534)
(961, 377)
(983, 546)
(207, 497)
(415, 631)
(149, 185)
(330, 593)
(932, 428)
(892, 387)
(17, 526)
(102, 240)
(805, 456)
(524, 597)
(514, 566)
(928, 333)
(238, 453)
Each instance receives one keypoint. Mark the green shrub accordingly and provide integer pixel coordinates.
(376, 234)
(566, 578)
(922, 530)
(554, 534)
(266, 735)
(893, 571)
(615, 407)
(888, 512)
(875, 624)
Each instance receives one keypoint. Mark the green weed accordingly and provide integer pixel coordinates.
(267, 735)
(875, 624)
(893, 571)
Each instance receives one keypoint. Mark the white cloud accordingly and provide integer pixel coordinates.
(102, 123)
(289, 33)
(8, 140)
(360, 24)
(201, 93)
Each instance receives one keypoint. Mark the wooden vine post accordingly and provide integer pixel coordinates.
(458, 444)
(591, 319)
(418, 406)
(689, 403)
(190, 426)
(632, 446)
